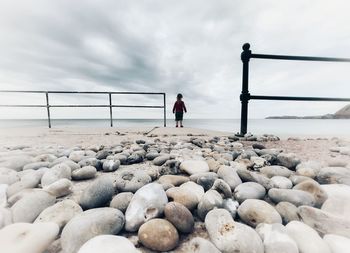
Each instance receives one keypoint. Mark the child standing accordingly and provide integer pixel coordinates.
(178, 109)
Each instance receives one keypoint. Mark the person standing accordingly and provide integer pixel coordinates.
(179, 109)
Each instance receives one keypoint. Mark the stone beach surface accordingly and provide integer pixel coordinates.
(142, 190)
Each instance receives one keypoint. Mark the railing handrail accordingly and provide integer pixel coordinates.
(245, 96)
(110, 105)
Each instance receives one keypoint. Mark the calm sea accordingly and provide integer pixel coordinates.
(280, 127)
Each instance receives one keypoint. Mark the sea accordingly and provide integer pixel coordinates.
(280, 127)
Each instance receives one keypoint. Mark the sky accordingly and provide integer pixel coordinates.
(188, 46)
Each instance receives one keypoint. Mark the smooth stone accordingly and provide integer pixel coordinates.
(296, 197)
(230, 176)
(60, 213)
(152, 155)
(89, 224)
(183, 196)
(337, 206)
(110, 165)
(31, 205)
(159, 235)
(5, 217)
(102, 154)
(199, 245)
(256, 211)
(207, 182)
(35, 165)
(60, 188)
(147, 203)
(250, 176)
(213, 165)
(121, 157)
(230, 236)
(28, 238)
(98, 193)
(91, 161)
(77, 155)
(8, 176)
(315, 189)
(276, 239)
(281, 182)
(45, 158)
(337, 244)
(108, 244)
(3, 195)
(16, 162)
(121, 201)
(334, 175)
(298, 179)
(194, 166)
(275, 170)
(179, 216)
(86, 172)
(193, 188)
(210, 200)
(258, 162)
(173, 179)
(336, 190)
(306, 238)
(134, 158)
(288, 160)
(131, 180)
(231, 206)
(323, 222)
(31, 180)
(160, 160)
(223, 188)
(197, 176)
(249, 190)
(288, 212)
(57, 172)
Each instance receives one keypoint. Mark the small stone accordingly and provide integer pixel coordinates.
(194, 166)
(160, 160)
(230, 176)
(298, 179)
(121, 201)
(179, 216)
(288, 160)
(35, 165)
(173, 179)
(3, 196)
(315, 189)
(8, 176)
(16, 162)
(250, 176)
(131, 180)
(110, 165)
(102, 154)
(183, 196)
(5, 217)
(296, 197)
(134, 158)
(275, 170)
(249, 190)
(60, 188)
(57, 172)
(193, 188)
(337, 244)
(223, 188)
(231, 206)
(28, 181)
(159, 235)
(91, 161)
(281, 182)
(288, 212)
(86, 172)
(199, 245)
(334, 175)
(339, 206)
(210, 200)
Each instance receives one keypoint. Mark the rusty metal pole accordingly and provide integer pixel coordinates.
(245, 96)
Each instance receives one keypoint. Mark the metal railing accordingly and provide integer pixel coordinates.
(245, 96)
(110, 105)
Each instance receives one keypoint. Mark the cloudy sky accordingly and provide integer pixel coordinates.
(191, 46)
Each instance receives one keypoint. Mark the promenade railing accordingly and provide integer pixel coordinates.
(110, 104)
(245, 96)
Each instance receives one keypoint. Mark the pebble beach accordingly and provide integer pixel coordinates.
(115, 190)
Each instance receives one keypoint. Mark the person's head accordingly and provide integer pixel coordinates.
(179, 96)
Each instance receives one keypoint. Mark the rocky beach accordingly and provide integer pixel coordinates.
(172, 190)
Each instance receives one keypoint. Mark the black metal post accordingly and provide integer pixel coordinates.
(164, 105)
(48, 109)
(110, 108)
(245, 96)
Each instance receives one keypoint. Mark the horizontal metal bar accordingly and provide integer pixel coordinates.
(298, 58)
(124, 106)
(84, 92)
(23, 106)
(258, 97)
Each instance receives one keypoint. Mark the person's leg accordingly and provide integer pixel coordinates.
(181, 123)
(177, 123)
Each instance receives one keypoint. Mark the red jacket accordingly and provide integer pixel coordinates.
(179, 106)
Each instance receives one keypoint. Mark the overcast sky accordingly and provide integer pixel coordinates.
(189, 46)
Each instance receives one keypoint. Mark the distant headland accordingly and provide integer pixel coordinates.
(343, 113)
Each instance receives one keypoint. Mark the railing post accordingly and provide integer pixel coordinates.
(110, 109)
(164, 105)
(48, 109)
(245, 96)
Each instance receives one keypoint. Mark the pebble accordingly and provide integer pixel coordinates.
(339, 206)
(60, 188)
(183, 196)
(249, 190)
(60, 213)
(134, 158)
(77, 155)
(303, 235)
(16, 162)
(288, 212)
(110, 165)
(199, 245)
(298, 179)
(194, 188)
(57, 172)
(336, 190)
(231, 206)
(179, 216)
(173, 179)
(158, 235)
(5, 217)
(250, 176)
(3, 196)
(86, 172)
(28, 238)
(289, 160)
(275, 170)
(108, 244)
(160, 160)
(337, 244)
(147, 203)
(91, 161)
(230, 236)
(97, 193)
(131, 180)
(8, 176)
(213, 165)
(121, 201)
(255, 211)
(210, 200)
(230, 176)
(194, 166)
(296, 197)
(223, 188)
(334, 175)
(281, 182)
(28, 181)
(315, 189)
(89, 224)
(35, 165)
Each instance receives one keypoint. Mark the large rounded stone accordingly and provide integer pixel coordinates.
(98, 193)
(173, 180)
(84, 173)
(255, 211)
(210, 200)
(198, 245)
(30, 205)
(289, 160)
(288, 212)
(313, 188)
(249, 190)
(230, 176)
(5, 217)
(303, 235)
(160, 160)
(60, 188)
(183, 196)
(28, 181)
(121, 201)
(281, 182)
(60, 213)
(296, 197)
(8, 176)
(89, 224)
(339, 206)
(179, 216)
(334, 175)
(131, 181)
(57, 172)
(3, 196)
(147, 203)
(35, 165)
(337, 244)
(16, 162)
(108, 244)
(275, 170)
(28, 238)
(159, 235)
(229, 236)
(250, 176)
(193, 188)
(194, 166)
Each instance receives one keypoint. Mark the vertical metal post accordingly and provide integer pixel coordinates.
(48, 109)
(164, 105)
(245, 96)
(110, 109)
